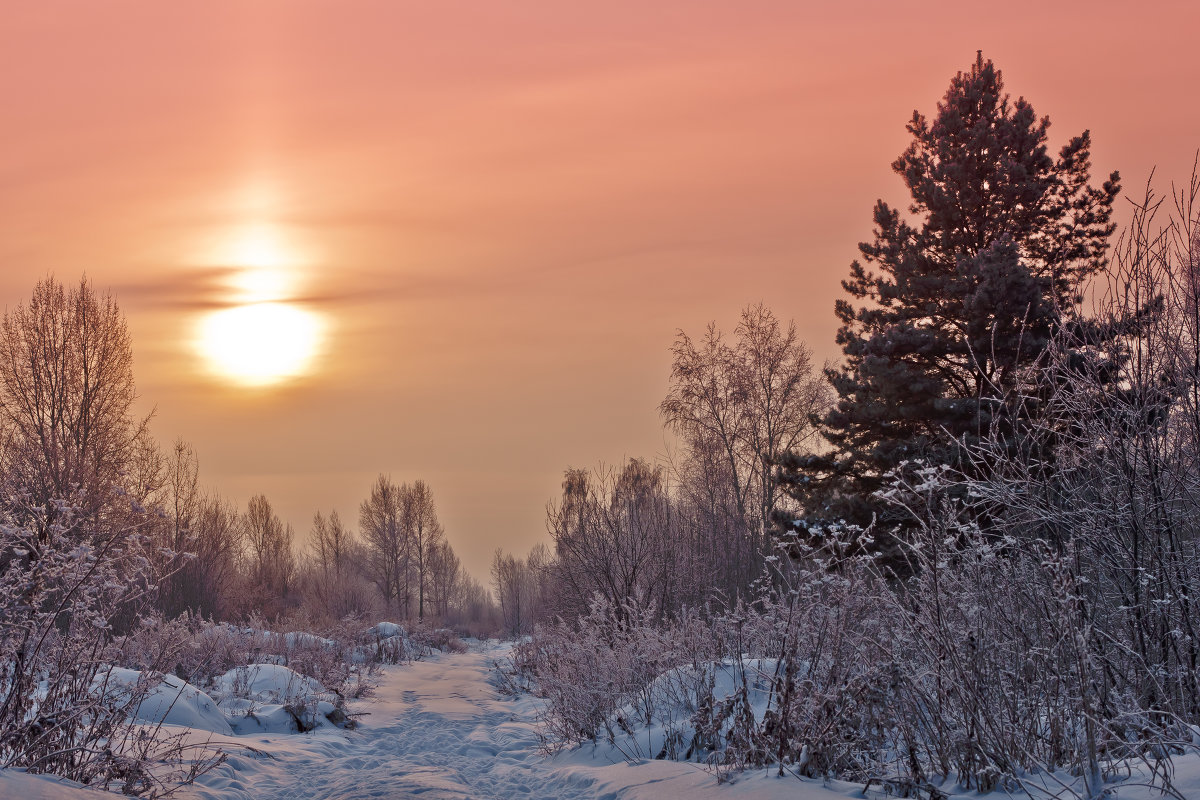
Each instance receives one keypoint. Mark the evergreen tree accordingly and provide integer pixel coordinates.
(965, 292)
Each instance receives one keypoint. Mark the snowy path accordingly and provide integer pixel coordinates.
(436, 729)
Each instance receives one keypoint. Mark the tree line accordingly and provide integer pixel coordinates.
(68, 435)
(697, 527)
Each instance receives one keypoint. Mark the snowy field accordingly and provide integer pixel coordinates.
(438, 729)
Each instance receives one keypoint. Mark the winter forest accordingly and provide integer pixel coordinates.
(961, 559)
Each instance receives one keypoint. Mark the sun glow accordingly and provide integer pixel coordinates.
(262, 338)
(261, 343)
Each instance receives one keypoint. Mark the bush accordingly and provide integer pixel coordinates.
(65, 582)
(838, 672)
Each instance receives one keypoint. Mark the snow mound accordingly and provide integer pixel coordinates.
(250, 718)
(386, 642)
(386, 630)
(295, 639)
(267, 683)
(18, 783)
(169, 701)
(270, 698)
(660, 722)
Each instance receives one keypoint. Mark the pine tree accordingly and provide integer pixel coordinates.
(965, 291)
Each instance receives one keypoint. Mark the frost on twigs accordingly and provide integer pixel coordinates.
(69, 583)
(982, 668)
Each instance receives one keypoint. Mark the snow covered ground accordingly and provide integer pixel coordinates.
(437, 729)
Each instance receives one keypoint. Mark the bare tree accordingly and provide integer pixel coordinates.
(513, 583)
(331, 544)
(271, 562)
(614, 534)
(426, 532)
(205, 581)
(739, 408)
(331, 578)
(180, 497)
(385, 532)
(446, 577)
(66, 397)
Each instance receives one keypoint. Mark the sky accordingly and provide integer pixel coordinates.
(478, 226)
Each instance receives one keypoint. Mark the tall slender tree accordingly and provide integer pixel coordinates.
(386, 535)
(956, 298)
(427, 534)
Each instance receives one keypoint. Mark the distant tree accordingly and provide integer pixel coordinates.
(336, 576)
(205, 581)
(331, 544)
(615, 535)
(272, 564)
(739, 407)
(386, 534)
(966, 295)
(182, 499)
(426, 532)
(515, 583)
(446, 577)
(329, 566)
(471, 604)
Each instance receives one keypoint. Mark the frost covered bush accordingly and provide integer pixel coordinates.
(424, 640)
(203, 653)
(621, 650)
(386, 643)
(331, 660)
(982, 668)
(272, 697)
(64, 582)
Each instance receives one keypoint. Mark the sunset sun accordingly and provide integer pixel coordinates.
(261, 343)
(263, 337)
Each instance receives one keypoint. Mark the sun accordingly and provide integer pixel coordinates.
(260, 344)
(262, 336)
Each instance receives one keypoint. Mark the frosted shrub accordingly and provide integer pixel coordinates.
(424, 640)
(827, 635)
(387, 643)
(63, 584)
(983, 667)
(1006, 678)
(333, 661)
(798, 678)
(620, 649)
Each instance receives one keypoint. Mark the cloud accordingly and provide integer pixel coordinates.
(200, 289)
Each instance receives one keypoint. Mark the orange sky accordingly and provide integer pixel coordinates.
(502, 210)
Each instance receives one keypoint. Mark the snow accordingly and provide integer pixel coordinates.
(294, 639)
(673, 700)
(439, 730)
(386, 641)
(250, 719)
(16, 783)
(267, 683)
(171, 701)
(270, 698)
(386, 630)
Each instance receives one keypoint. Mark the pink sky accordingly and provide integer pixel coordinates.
(503, 211)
